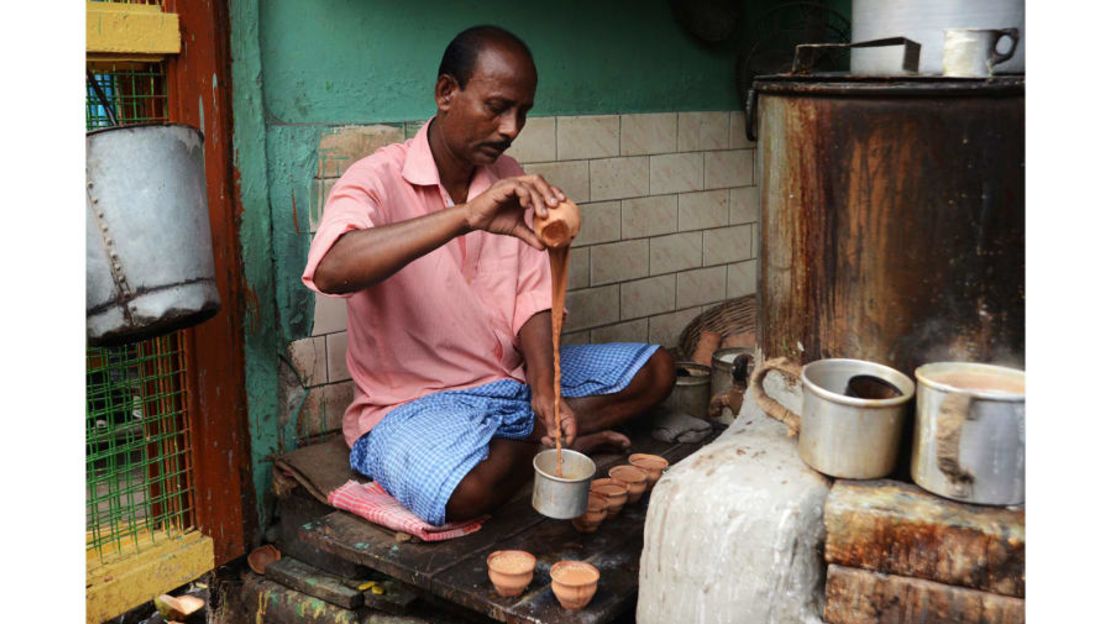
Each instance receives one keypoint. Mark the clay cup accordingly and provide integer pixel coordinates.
(574, 583)
(633, 477)
(615, 493)
(510, 571)
(653, 465)
(595, 514)
(560, 226)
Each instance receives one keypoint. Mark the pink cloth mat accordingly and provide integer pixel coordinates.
(324, 470)
(371, 502)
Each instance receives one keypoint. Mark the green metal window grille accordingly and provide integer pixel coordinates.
(136, 95)
(138, 457)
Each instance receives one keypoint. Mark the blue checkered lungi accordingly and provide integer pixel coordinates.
(422, 449)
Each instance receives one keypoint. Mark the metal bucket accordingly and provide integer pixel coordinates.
(691, 390)
(563, 497)
(969, 443)
(148, 253)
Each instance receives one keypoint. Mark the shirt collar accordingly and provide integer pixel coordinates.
(420, 167)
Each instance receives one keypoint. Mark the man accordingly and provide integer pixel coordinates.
(449, 302)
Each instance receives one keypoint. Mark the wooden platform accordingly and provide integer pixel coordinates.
(455, 570)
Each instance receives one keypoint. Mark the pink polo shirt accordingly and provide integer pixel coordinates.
(450, 318)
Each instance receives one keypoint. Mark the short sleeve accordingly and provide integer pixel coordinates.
(354, 204)
(533, 286)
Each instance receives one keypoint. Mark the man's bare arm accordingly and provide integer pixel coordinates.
(363, 258)
(538, 350)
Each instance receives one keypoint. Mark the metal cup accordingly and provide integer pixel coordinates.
(973, 52)
(566, 497)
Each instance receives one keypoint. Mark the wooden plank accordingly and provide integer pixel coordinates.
(198, 85)
(294, 511)
(367, 544)
(855, 596)
(314, 582)
(898, 528)
(116, 28)
(115, 587)
(274, 603)
(614, 549)
(455, 570)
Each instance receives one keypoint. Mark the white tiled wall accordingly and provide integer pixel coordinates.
(669, 228)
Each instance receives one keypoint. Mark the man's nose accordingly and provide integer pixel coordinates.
(511, 125)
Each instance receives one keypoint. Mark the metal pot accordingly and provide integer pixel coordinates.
(841, 436)
(148, 257)
(691, 390)
(969, 442)
(563, 497)
(721, 378)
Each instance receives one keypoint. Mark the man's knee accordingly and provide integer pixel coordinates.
(470, 499)
(662, 370)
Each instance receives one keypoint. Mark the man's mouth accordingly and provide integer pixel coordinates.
(496, 147)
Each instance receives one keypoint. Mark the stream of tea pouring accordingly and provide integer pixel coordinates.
(557, 230)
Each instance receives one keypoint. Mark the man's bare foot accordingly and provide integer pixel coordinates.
(602, 441)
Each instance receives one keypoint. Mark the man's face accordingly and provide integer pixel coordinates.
(482, 120)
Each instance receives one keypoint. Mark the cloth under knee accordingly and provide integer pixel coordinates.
(422, 449)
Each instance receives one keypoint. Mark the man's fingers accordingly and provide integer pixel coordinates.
(546, 190)
(525, 233)
(570, 428)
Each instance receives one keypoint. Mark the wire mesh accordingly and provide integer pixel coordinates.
(136, 95)
(138, 456)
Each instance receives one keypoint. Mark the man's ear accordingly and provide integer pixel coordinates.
(446, 89)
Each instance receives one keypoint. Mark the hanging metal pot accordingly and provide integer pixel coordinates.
(148, 258)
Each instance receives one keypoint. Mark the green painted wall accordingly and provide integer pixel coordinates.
(356, 61)
(300, 67)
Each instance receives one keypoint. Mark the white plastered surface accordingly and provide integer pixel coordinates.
(734, 532)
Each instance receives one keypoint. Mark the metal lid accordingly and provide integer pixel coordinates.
(843, 83)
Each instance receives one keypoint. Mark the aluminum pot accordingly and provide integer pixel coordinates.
(566, 497)
(721, 378)
(969, 442)
(691, 390)
(841, 436)
(148, 256)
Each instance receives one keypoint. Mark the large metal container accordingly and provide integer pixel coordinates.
(562, 497)
(969, 442)
(148, 255)
(892, 219)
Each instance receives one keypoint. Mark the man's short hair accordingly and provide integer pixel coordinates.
(462, 53)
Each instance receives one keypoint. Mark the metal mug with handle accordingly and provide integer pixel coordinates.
(840, 435)
(969, 442)
(973, 52)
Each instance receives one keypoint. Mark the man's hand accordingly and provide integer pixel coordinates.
(500, 209)
(543, 404)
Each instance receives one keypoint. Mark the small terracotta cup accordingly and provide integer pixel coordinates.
(615, 493)
(595, 514)
(560, 226)
(262, 557)
(633, 477)
(653, 465)
(510, 571)
(574, 583)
